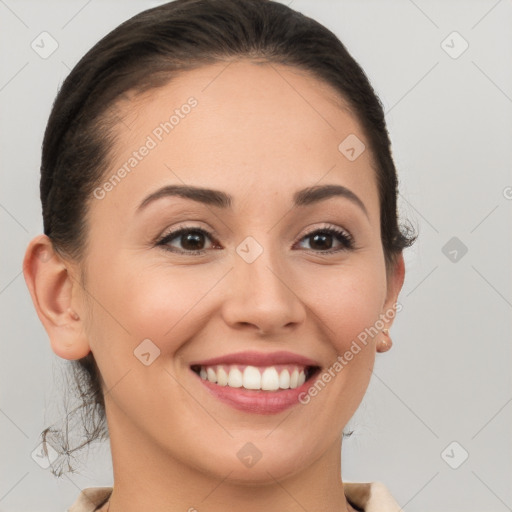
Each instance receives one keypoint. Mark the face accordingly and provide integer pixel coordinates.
(268, 270)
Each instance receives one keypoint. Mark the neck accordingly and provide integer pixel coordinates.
(147, 478)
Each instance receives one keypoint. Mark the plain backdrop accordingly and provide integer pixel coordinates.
(435, 423)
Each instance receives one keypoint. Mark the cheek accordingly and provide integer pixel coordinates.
(153, 303)
(345, 303)
(346, 300)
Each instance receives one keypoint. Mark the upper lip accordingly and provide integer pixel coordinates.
(258, 359)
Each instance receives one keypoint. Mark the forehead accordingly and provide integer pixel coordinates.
(252, 129)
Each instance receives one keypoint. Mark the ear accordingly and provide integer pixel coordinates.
(54, 293)
(395, 280)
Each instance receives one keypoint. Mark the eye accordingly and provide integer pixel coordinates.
(188, 240)
(195, 240)
(325, 240)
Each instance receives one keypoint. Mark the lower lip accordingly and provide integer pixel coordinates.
(258, 401)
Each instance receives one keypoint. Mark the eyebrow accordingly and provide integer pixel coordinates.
(201, 195)
(304, 197)
(312, 195)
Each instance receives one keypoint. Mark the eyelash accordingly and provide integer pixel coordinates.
(341, 235)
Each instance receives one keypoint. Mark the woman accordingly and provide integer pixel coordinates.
(221, 256)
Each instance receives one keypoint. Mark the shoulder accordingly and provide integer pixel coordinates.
(370, 497)
(90, 498)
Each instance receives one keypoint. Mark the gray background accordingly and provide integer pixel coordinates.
(447, 378)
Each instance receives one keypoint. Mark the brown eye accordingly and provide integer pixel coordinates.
(325, 240)
(192, 241)
(321, 241)
(187, 240)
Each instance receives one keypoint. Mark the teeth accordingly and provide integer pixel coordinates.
(270, 379)
(235, 379)
(222, 377)
(252, 378)
(267, 379)
(294, 378)
(212, 376)
(284, 379)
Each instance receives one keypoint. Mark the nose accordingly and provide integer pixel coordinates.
(261, 297)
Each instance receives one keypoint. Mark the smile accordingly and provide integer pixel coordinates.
(270, 378)
(245, 390)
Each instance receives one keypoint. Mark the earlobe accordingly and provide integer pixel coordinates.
(51, 289)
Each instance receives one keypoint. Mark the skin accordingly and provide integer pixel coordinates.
(260, 132)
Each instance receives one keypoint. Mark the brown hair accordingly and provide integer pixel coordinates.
(148, 51)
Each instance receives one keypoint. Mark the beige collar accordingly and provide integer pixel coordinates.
(368, 497)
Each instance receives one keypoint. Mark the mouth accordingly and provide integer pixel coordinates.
(257, 378)
(257, 383)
